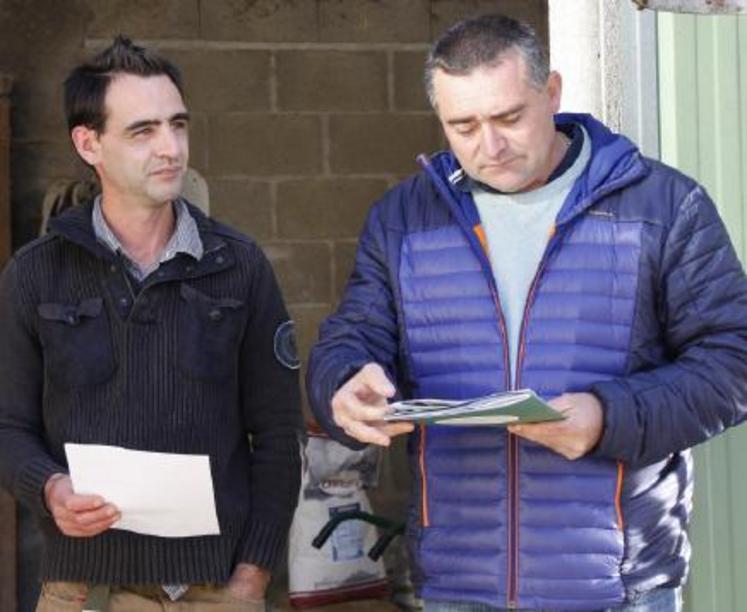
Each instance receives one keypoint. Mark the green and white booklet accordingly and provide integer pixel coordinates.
(520, 406)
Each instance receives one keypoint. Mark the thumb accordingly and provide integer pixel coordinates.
(376, 380)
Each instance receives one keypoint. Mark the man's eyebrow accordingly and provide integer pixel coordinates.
(502, 115)
(510, 111)
(136, 125)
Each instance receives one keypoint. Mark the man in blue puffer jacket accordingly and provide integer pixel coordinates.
(542, 252)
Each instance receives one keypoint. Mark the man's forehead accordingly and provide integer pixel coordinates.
(489, 88)
(135, 98)
(509, 62)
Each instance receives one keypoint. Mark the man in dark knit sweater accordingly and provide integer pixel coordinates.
(138, 322)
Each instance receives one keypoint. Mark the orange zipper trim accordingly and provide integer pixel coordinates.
(480, 233)
(424, 513)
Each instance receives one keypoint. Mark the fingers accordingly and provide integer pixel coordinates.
(78, 515)
(562, 403)
(360, 404)
(366, 432)
(396, 429)
(249, 582)
(348, 405)
(372, 375)
(542, 433)
(84, 523)
(83, 503)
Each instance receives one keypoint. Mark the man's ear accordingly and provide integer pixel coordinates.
(555, 90)
(86, 143)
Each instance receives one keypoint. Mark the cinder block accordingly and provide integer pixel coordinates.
(45, 162)
(374, 20)
(39, 44)
(243, 204)
(218, 81)
(409, 91)
(381, 143)
(445, 13)
(37, 112)
(260, 20)
(307, 319)
(344, 258)
(325, 208)
(303, 270)
(198, 145)
(144, 18)
(331, 80)
(264, 144)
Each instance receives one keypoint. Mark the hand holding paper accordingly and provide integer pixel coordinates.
(77, 516)
(573, 437)
(161, 494)
(359, 406)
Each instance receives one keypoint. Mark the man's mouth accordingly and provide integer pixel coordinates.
(171, 171)
(499, 165)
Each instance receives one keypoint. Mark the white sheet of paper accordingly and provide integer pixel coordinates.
(162, 494)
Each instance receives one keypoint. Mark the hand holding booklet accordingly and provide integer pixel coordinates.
(520, 406)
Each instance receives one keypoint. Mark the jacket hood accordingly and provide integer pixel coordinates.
(615, 163)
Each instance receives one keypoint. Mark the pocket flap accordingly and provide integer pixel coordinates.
(70, 313)
(191, 295)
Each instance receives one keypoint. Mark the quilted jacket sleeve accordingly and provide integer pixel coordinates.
(703, 389)
(363, 329)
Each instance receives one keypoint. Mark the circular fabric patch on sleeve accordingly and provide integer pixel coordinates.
(286, 348)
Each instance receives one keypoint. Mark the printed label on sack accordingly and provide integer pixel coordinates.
(348, 537)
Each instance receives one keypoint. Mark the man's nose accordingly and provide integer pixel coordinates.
(493, 142)
(169, 143)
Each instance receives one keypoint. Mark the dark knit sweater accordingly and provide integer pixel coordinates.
(184, 364)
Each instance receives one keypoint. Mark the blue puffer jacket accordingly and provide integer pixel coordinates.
(639, 299)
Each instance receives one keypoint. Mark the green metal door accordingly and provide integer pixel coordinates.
(703, 122)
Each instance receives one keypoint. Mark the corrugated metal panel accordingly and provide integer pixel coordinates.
(703, 119)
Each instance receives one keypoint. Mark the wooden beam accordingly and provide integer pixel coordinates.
(8, 531)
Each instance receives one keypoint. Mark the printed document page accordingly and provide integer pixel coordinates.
(161, 494)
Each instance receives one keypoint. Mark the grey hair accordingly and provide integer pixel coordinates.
(483, 41)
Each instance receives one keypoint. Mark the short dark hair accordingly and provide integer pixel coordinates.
(86, 86)
(482, 41)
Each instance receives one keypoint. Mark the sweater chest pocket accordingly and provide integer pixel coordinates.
(76, 342)
(209, 334)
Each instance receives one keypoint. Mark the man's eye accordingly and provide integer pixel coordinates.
(180, 125)
(510, 119)
(464, 128)
(144, 131)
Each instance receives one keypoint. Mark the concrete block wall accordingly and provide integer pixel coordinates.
(305, 111)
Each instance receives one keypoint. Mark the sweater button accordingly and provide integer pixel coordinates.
(215, 315)
(123, 301)
(220, 259)
(113, 268)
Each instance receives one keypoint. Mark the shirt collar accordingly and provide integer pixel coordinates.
(185, 239)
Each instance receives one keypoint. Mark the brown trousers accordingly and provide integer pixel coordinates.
(70, 597)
